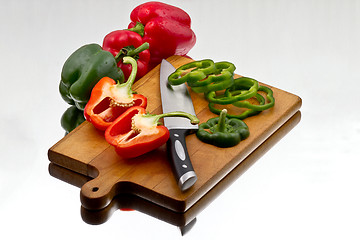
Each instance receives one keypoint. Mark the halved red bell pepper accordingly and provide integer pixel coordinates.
(165, 27)
(135, 133)
(109, 99)
(123, 43)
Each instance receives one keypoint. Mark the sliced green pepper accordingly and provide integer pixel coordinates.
(83, 69)
(243, 115)
(220, 79)
(192, 71)
(232, 94)
(204, 75)
(216, 81)
(238, 94)
(223, 132)
(260, 107)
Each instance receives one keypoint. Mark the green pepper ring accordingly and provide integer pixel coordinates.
(245, 114)
(261, 107)
(226, 82)
(225, 69)
(228, 98)
(201, 70)
(219, 80)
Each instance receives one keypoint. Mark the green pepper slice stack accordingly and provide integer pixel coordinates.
(242, 89)
(192, 72)
(204, 76)
(238, 95)
(216, 81)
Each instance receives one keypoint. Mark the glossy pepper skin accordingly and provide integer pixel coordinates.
(110, 99)
(71, 118)
(165, 27)
(83, 69)
(135, 133)
(223, 132)
(123, 43)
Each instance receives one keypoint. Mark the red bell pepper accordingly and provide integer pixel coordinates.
(135, 133)
(123, 43)
(109, 99)
(165, 27)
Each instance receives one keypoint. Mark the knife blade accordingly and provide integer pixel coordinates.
(177, 98)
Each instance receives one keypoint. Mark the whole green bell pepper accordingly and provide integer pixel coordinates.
(71, 118)
(83, 69)
(223, 132)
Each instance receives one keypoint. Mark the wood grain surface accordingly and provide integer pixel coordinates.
(149, 176)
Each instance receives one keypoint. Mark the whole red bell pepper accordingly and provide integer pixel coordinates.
(123, 43)
(109, 99)
(135, 133)
(165, 27)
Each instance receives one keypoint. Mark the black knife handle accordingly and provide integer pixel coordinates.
(180, 160)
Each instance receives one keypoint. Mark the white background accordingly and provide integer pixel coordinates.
(306, 187)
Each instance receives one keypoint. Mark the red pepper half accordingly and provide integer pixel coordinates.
(165, 27)
(123, 43)
(135, 133)
(109, 99)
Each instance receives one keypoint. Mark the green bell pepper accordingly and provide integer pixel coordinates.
(223, 132)
(83, 69)
(71, 118)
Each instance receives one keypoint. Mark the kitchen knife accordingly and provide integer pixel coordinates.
(177, 98)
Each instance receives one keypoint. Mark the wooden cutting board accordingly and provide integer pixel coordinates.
(149, 176)
(180, 219)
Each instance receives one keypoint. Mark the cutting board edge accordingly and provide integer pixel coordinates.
(67, 162)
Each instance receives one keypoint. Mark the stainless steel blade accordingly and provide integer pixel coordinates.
(175, 98)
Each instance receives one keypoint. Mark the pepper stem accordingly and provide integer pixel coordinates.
(221, 126)
(138, 28)
(138, 50)
(131, 79)
(127, 51)
(126, 87)
(193, 119)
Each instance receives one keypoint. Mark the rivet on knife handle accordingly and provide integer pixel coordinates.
(181, 164)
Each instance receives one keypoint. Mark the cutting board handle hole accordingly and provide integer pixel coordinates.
(95, 189)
